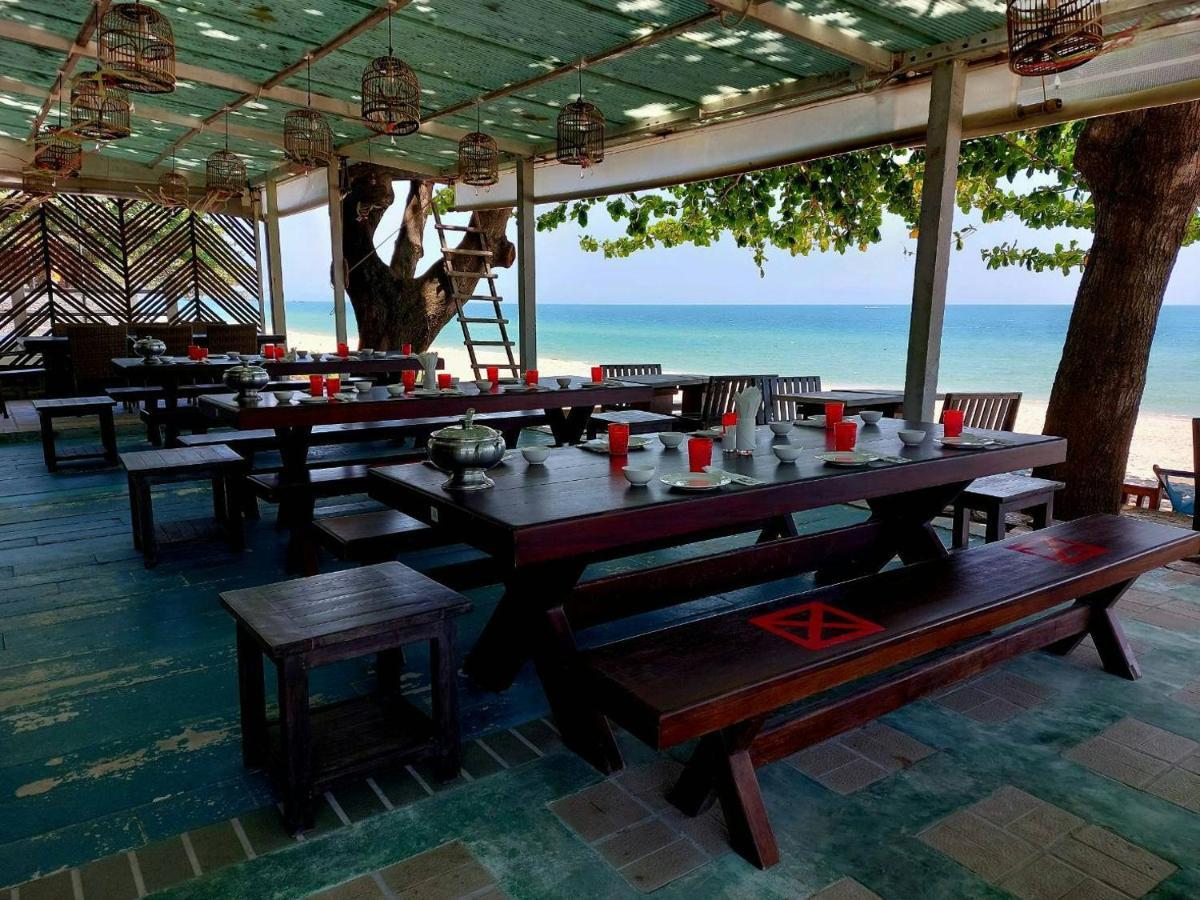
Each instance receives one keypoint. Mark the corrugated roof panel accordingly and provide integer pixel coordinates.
(904, 24)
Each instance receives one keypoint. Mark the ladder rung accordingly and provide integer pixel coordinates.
(468, 228)
(466, 297)
(483, 320)
(467, 252)
(484, 364)
(490, 343)
(454, 273)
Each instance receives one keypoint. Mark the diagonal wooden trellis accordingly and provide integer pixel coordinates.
(81, 258)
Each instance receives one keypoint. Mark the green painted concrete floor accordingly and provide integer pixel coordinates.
(121, 773)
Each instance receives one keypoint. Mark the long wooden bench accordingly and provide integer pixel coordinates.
(734, 680)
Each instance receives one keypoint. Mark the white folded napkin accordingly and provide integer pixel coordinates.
(746, 405)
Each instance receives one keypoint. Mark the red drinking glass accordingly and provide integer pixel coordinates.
(343, 350)
(316, 385)
(845, 435)
(834, 413)
(268, 351)
(202, 352)
(618, 438)
(193, 352)
(699, 453)
(333, 384)
(408, 378)
(728, 420)
(280, 351)
(406, 349)
(531, 377)
(597, 374)
(444, 380)
(493, 375)
(952, 422)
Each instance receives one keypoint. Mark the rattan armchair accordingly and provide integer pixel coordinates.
(223, 337)
(93, 347)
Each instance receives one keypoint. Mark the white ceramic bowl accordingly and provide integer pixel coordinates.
(363, 387)
(346, 395)
(563, 383)
(483, 384)
(638, 474)
(234, 356)
(911, 437)
(364, 353)
(396, 390)
(283, 396)
(870, 416)
(671, 439)
(535, 455)
(787, 453)
(781, 428)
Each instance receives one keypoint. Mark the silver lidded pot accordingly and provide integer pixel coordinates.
(149, 349)
(247, 381)
(466, 451)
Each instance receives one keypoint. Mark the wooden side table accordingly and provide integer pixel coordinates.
(998, 495)
(315, 621)
(49, 410)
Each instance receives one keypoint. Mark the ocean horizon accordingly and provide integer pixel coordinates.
(984, 346)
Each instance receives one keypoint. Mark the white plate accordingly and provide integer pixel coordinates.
(849, 458)
(423, 392)
(600, 444)
(309, 398)
(450, 392)
(814, 422)
(591, 384)
(965, 442)
(696, 481)
(708, 433)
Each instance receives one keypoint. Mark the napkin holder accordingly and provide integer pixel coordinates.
(746, 404)
(429, 364)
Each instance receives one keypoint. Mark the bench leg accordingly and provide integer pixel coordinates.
(444, 700)
(108, 435)
(135, 524)
(389, 669)
(48, 454)
(997, 528)
(295, 732)
(1043, 513)
(1116, 656)
(253, 700)
(962, 526)
(145, 518)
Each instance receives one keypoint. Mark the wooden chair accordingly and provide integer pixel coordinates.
(624, 370)
(993, 412)
(722, 390)
(1172, 481)
(223, 337)
(92, 348)
(785, 410)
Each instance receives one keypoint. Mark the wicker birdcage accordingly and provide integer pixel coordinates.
(98, 110)
(307, 138)
(37, 181)
(580, 134)
(172, 189)
(1046, 37)
(58, 151)
(391, 96)
(136, 48)
(478, 160)
(225, 175)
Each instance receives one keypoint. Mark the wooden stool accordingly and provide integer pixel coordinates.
(1133, 492)
(146, 468)
(639, 421)
(49, 410)
(320, 620)
(998, 495)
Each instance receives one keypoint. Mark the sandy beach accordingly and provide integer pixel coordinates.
(1157, 439)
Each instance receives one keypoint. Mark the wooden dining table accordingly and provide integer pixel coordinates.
(567, 411)
(666, 385)
(809, 403)
(544, 524)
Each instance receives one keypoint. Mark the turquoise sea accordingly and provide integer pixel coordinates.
(984, 347)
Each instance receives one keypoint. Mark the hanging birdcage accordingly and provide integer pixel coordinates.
(225, 175)
(58, 151)
(307, 138)
(391, 94)
(1046, 37)
(478, 160)
(136, 47)
(98, 110)
(580, 139)
(39, 182)
(172, 189)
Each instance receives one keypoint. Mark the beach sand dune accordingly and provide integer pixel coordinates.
(1157, 439)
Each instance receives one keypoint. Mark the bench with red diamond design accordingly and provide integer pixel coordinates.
(736, 680)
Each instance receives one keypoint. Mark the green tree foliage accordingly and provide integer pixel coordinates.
(838, 203)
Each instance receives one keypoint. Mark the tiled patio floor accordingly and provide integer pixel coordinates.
(121, 773)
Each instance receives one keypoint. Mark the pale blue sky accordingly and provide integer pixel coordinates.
(723, 273)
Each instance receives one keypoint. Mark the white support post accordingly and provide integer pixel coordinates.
(933, 242)
(526, 265)
(274, 260)
(335, 242)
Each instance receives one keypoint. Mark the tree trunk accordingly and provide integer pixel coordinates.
(392, 303)
(1143, 171)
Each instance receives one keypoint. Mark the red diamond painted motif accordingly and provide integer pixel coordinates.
(815, 626)
(1058, 549)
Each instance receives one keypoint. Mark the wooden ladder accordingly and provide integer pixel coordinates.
(449, 255)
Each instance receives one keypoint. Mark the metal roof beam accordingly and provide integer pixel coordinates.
(810, 31)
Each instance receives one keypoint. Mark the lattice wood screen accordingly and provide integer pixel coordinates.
(103, 259)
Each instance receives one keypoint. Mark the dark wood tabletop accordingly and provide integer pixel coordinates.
(852, 398)
(665, 379)
(136, 369)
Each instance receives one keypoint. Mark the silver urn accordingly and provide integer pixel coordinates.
(246, 381)
(149, 349)
(466, 451)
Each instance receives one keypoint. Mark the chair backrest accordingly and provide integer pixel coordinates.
(1180, 488)
(994, 412)
(785, 410)
(623, 370)
(93, 347)
(722, 390)
(238, 338)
